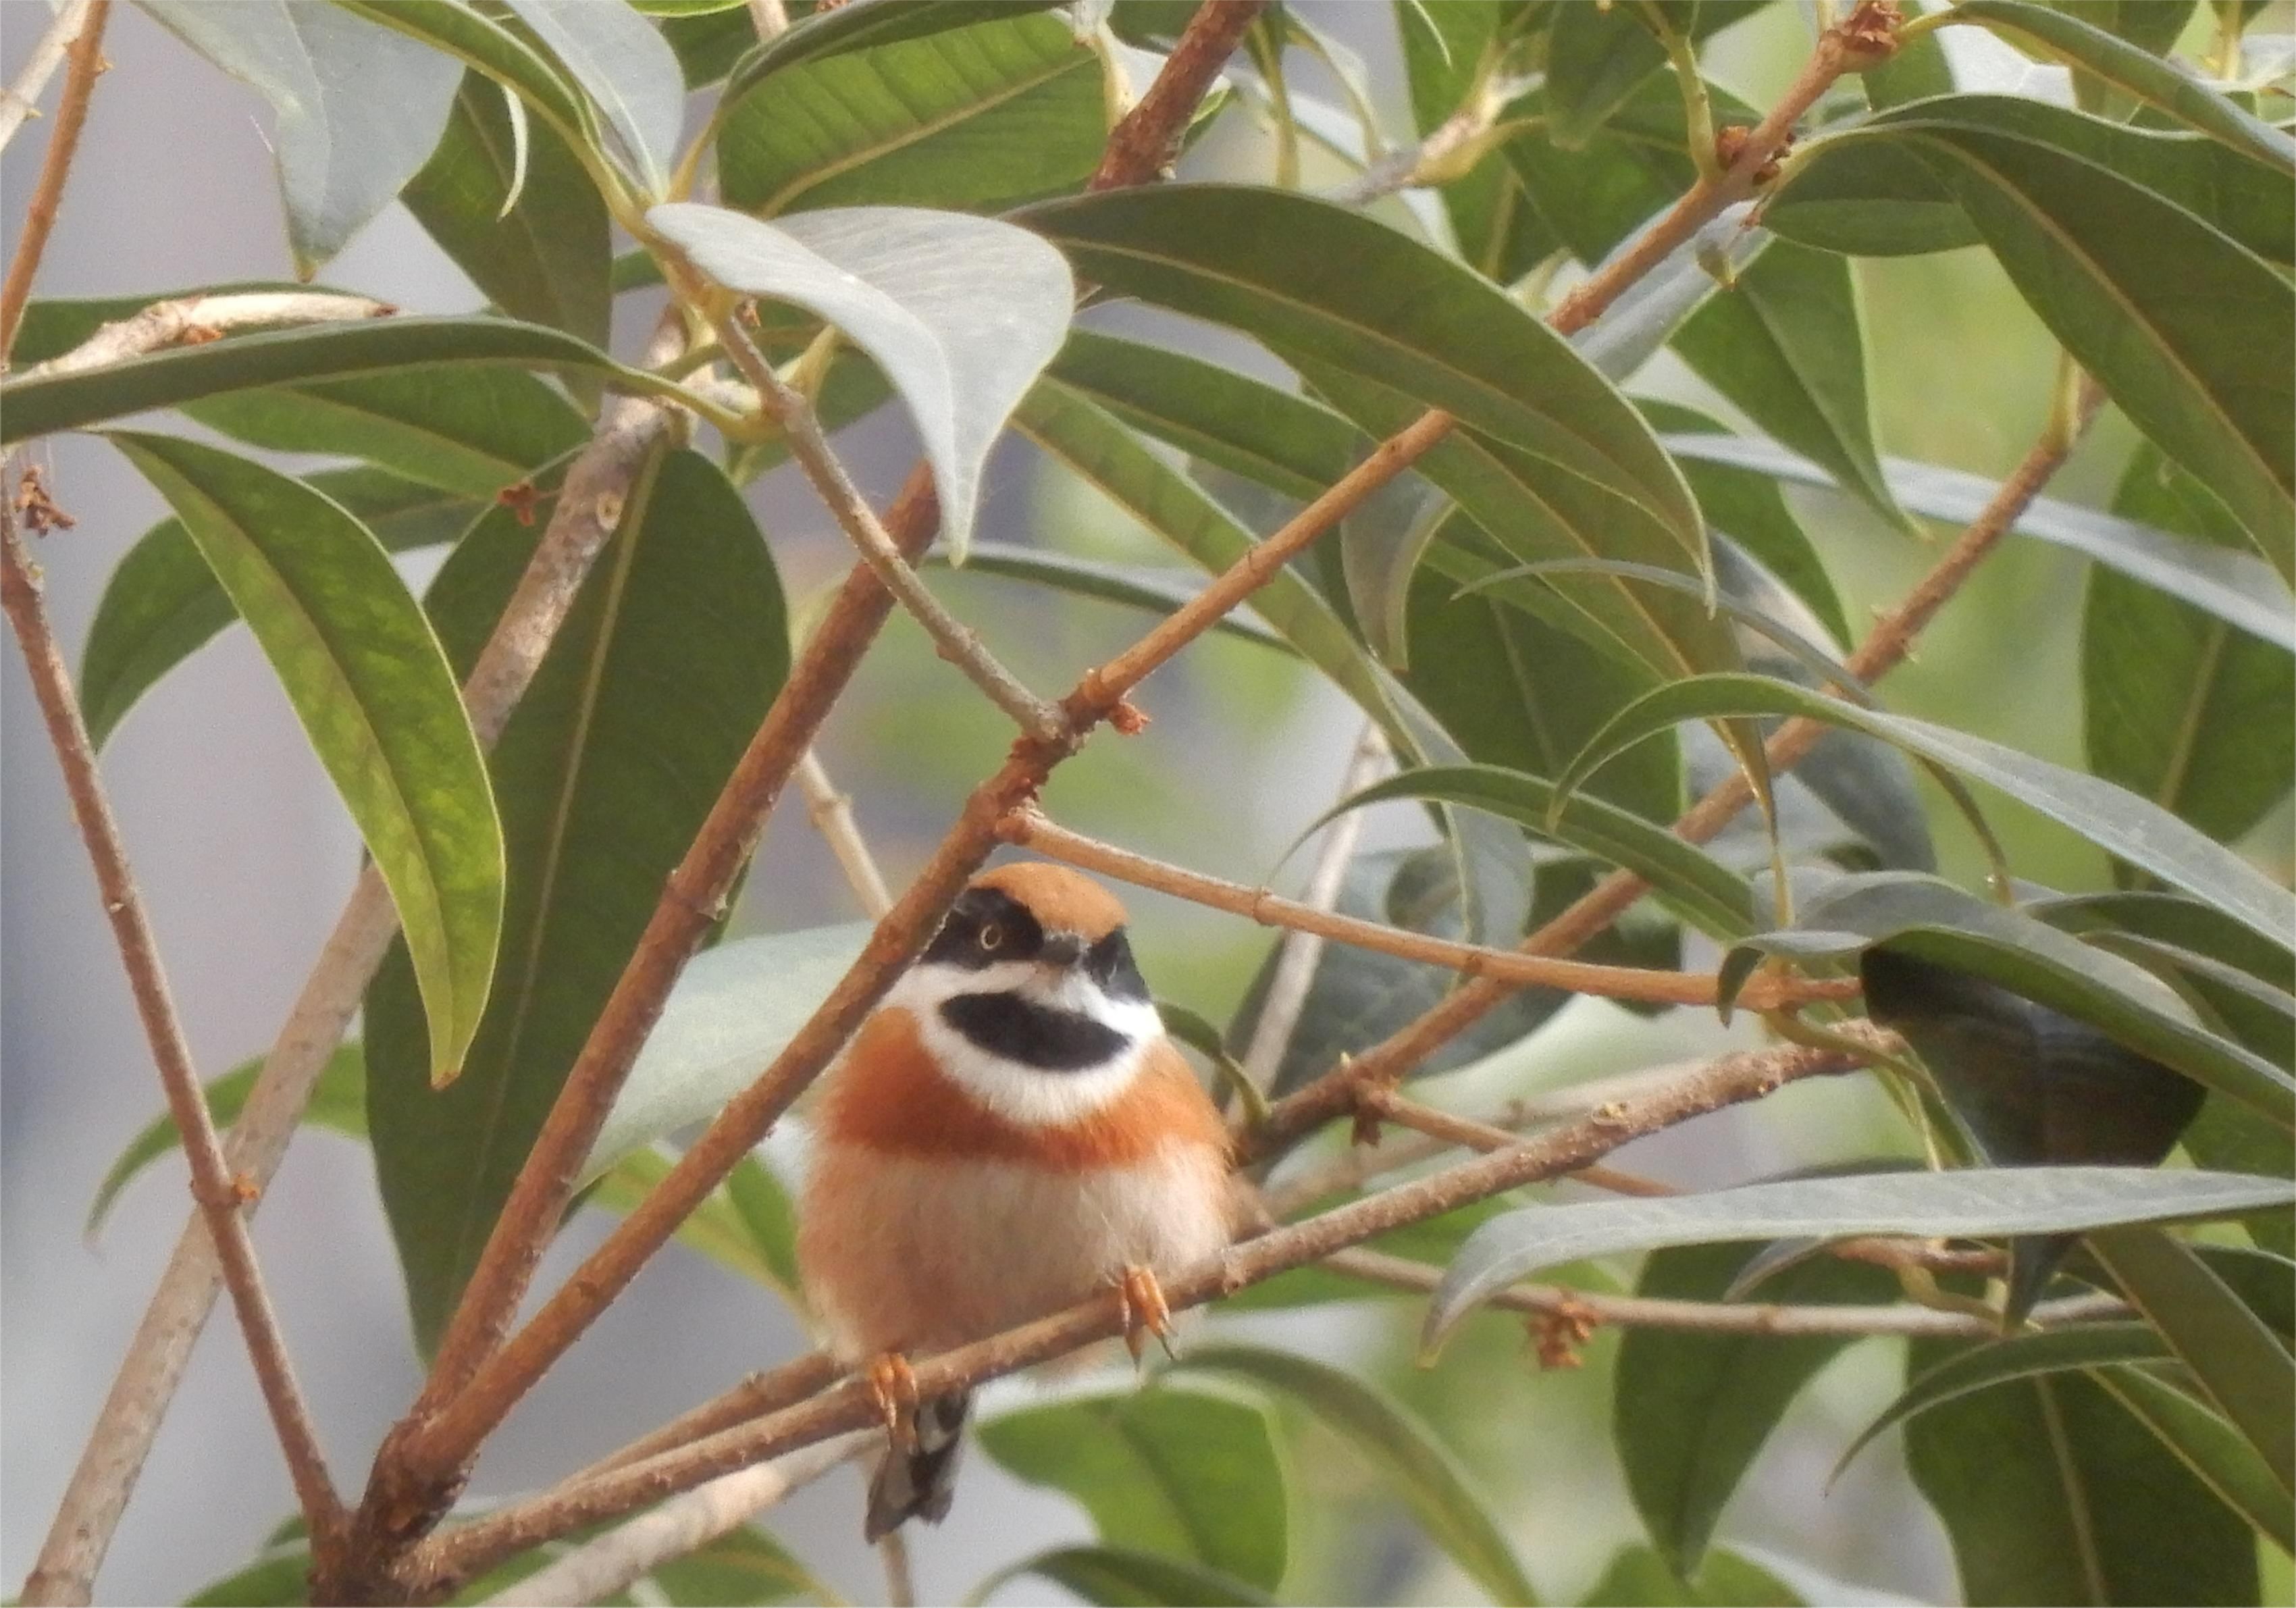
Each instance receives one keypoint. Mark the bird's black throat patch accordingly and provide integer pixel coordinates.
(1036, 1036)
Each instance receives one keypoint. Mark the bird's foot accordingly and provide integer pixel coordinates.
(1140, 1302)
(893, 1391)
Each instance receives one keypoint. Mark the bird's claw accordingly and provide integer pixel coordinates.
(893, 1392)
(1141, 1304)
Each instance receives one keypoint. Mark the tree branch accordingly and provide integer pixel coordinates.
(1142, 145)
(182, 320)
(585, 515)
(21, 99)
(831, 812)
(218, 1194)
(85, 53)
(443, 1562)
(1509, 968)
(1883, 650)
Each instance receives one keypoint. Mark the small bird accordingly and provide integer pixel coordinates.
(1010, 1132)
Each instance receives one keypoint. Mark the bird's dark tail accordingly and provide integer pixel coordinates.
(918, 1484)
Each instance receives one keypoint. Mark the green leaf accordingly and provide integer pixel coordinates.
(38, 404)
(338, 1102)
(1599, 55)
(1499, 234)
(1708, 893)
(629, 73)
(357, 108)
(2234, 586)
(975, 119)
(548, 260)
(1976, 1202)
(280, 1577)
(960, 313)
(462, 430)
(2051, 1493)
(372, 687)
(1931, 920)
(1125, 1578)
(1175, 1473)
(2135, 829)
(864, 25)
(734, 1008)
(602, 787)
(1636, 1576)
(1313, 280)
(163, 602)
(2241, 1365)
(1428, 1478)
(1690, 1411)
(479, 41)
(2182, 95)
(2025, 1356)
(2179, 708)
(2187, 330)
(744, 1565)
(746, 1225)
(2212, 1449)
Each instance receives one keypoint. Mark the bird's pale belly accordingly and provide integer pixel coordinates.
(918, 1254)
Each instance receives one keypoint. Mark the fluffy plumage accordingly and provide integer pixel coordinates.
(1006, 1135)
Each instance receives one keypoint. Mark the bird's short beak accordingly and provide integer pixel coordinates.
(1059, 950)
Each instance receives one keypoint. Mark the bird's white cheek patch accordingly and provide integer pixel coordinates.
(1026, 1096)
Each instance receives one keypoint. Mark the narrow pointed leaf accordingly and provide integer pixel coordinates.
(1424, 1473)
(39, 405)
(2212, 1449)
(1156, 591)
(463, 32)
(358, 107)
(2137, 830)
(372, 687)
(547, 260)
(163, 602)
(1975, 1203)
(960, 313)
(602, 787)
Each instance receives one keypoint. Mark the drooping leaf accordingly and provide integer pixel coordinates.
(472, 431)
(1690, 1410)
(1638, 1577)
(546, 261)
(163, 602)
(629, 73)
(2135, 829)
(1976, 1202)
(2136, 71)
(480, 41)
(1424, 1473)
(357, 108)
(735, 1006)
(2051, 1493)
(602, 787)
(338, 1102)
(1176, 1472)
(1928, 920)
(2212, 1449)
(2242, 1366)
(369, 682)
(2179, 708)
(979, 118)
(2234, 586)
(2186, 330)
(1126, 1578)
(2028, 1355)
(39, 405)
(960, 313)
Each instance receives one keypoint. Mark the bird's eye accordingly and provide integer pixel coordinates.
(991, 936)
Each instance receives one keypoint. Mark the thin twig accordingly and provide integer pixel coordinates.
(770, 18)
(601, 1568)
(831, 812)
(85, 53)
(184, 319)
(219, 1195)
(1716, 1317)
(1883, 650)
(444, 1561)
(756, 1396)
(953, 639)
(1508, 968)
(21, 99)
(1298, 952)
(1485, 1137)
(586, 515)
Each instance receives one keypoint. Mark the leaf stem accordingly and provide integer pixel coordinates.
(221, 1195)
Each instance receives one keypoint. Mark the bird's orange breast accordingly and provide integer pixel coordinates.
(888, 1093)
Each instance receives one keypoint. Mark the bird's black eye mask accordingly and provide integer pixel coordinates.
(987, 927)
